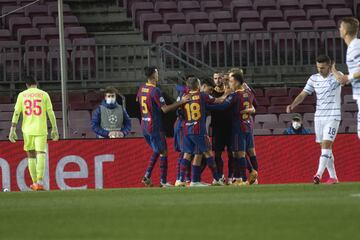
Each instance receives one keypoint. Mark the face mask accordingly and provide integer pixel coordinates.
(296, 125)
(110, 100)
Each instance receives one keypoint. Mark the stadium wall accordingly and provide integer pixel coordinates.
(120, 163)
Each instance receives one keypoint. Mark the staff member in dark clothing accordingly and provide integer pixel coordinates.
(110, 119)
(221, 129)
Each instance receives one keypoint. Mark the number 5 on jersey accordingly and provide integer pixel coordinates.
(143, 105)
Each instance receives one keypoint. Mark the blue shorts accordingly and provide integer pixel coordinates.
(242, 142)
(157, 141)
(196, 144)
(178, 139)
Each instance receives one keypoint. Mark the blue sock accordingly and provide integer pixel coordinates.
(254, 162)
(195, 173)
(163, 169)
(211, 164)
(242, 168)
(154, 157)
(178, 166)
(183, 168)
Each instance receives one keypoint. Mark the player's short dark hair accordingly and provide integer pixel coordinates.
(30, 80)
(352, 25)
(208, 82)
(323, 59)
(149, 71)
(238, 76)
(233, 70)
(111, 90)
(193, 83)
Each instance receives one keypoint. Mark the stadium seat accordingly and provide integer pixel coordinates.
(278, 131)
(229, 27)
(156, 30)
(6, 107)
(349, 99)
(174, 18)
(188, 6)
(5, 35)
(324, 24)
(276, 109)
(293, 92)
(350, 107)
(280, 101)
(240, 5)
(39, 45)
(183, 29)
(205, 27)
(271, 15)
(94, 97)
(294, 15)
(76, 97)
(259, 92)
(247, 16)
(287, 4)
(5, 99)
(164, 7)
(260, 5)
(276, 92)
(36, 10)
(209, 6)
(278, 26)
(220, 17)
(25, 34)
(7, 9)
(261, 110)
(262, 118)
(273, 125)
(139, 8)
(346, 115)
(252, 26)
(19, 22)
(338, 13)
(53, 10)
(286, 118)
(331, 4)
(136, 130)
(43, 21)
(49, 33)
(76, 32)
(317, 14)
(310, 100)
(301, 25)
(310, 4)
(149, 18)
(199, 17)
(304, 108)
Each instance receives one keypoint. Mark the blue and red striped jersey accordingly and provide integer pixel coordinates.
(238, 101)
(151, 100)
(195, 113)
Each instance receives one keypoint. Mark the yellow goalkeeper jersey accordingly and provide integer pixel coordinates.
(34, 103)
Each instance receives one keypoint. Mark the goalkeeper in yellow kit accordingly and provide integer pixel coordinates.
(34, 103)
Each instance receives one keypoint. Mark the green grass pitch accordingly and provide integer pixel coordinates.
(253, 212)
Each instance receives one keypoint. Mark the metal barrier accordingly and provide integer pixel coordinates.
(254, 49)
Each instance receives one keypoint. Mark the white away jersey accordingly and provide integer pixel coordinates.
(328, 96)
(353, 64)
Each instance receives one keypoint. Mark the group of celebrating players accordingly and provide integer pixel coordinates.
(231, 103)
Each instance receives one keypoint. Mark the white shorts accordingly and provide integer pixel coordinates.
(326, 130)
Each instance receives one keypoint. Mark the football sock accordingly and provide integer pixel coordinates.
(230, 166)
(240, 168)
(188, 173)
(219, 163)
(211, 164)
(163, 169)
(154, 157)
(254, 162)
(331, 167)
(324, 158)
(178, 168)
(32, 169)
(249, 165)
(195, 173)
(183, 168)
(203, 164)
(40, 166)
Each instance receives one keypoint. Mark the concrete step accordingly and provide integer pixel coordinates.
(119, 37)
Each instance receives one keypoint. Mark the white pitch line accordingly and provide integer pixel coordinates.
(355, 195)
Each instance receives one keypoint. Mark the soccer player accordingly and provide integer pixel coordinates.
(242, 141)
(349, 29)
(152, 105)
(221, 130)
(34, 104)
(196, 142)
(327, 114)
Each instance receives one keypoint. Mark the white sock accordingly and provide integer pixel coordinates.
(331, 167)
(324, 157)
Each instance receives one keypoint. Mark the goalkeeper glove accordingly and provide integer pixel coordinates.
(12, 135)
(54, 134)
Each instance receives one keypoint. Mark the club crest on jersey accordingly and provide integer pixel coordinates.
(195, 97)
(113, 119)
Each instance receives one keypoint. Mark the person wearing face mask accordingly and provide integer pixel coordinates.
(110, 119)
(296, 126)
